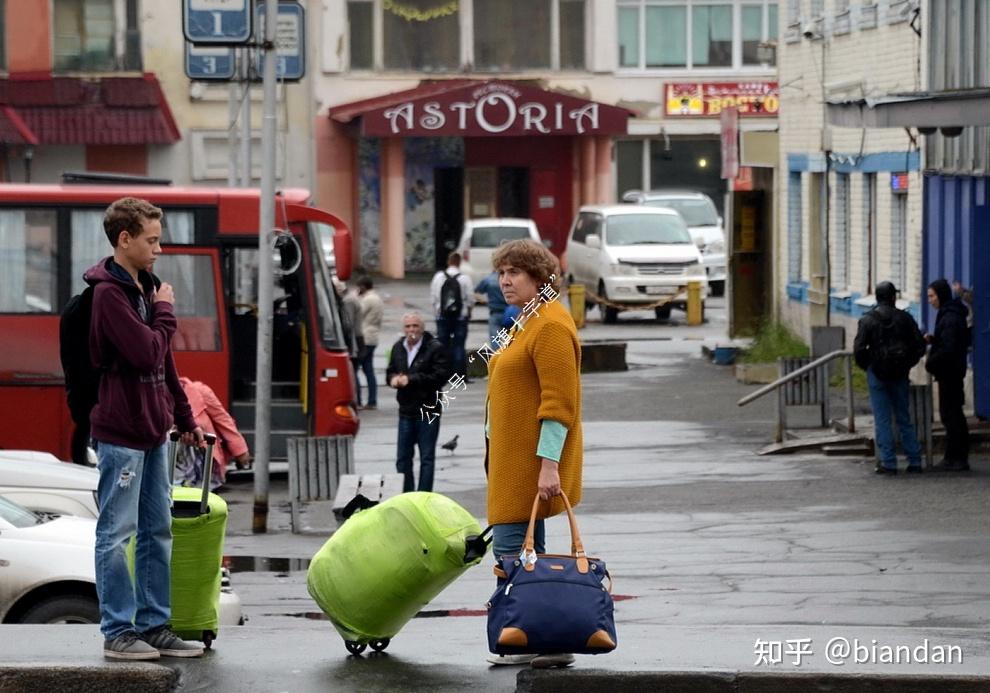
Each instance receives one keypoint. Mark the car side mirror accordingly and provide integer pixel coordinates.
(592, 240)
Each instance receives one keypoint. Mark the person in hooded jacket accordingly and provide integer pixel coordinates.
(888, 344)
(130, 334)
(418, 369)
(947, 364)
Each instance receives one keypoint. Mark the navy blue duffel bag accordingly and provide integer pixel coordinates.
(549, 604)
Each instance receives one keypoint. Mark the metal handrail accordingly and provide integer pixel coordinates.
(793, 375)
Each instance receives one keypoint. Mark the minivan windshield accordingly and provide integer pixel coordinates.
(644, 229)
(696, 212)
(493, 236)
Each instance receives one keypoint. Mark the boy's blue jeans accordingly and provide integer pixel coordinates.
(889, 399)
(134, 498)
(507, 539)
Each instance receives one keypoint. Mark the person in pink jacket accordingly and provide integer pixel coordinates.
(212, 418)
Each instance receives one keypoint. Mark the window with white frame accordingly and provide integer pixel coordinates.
(691, 34)
(95, 35)
(840, 268)
(898, 238)
(496, 35)
(794, 226)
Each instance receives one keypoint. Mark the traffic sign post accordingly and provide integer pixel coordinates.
(217, 21)
(290, 41)
(210, 62)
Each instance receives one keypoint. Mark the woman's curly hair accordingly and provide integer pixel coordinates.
(531, 257)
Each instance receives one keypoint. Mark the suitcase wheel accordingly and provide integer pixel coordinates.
(379, 645)
(355, 647)
(208, 637)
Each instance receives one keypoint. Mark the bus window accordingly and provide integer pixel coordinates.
(195, 301)
(89, 243)
(27, 261)
(331, 331)
(178, 226)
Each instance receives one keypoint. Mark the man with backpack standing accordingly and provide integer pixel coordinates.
(130, 332)
(888, 344)
(947, 364)
(453, 297)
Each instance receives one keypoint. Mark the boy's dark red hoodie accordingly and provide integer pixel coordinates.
(140, 392)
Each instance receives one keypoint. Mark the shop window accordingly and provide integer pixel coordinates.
(840, 267)
(695, 34)
(28, 268)
(421, 35)
(870, 230)
(898, 238)
(628, 166)
(361, 34)
(84, 36)
(511, 34)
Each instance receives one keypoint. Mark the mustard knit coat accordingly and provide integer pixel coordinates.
(537, 376)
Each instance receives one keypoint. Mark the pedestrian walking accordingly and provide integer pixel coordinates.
(212, 417)
(418, 368)
(131, 328)
(533, 426)
(947, 363)
(888, 345)
(452, 299)
(350, 313)
(372, 312)
(489, 287)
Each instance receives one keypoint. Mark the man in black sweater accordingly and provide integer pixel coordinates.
(418, 369)
(947, 364)
(888, 345)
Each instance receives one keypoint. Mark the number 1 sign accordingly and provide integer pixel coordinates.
(217, 21)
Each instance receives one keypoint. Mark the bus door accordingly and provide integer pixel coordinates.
(201, 344)
(329, 393)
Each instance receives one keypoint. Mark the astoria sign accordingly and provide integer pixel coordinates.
(493, 109)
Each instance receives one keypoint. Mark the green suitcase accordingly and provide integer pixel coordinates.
(387, 562)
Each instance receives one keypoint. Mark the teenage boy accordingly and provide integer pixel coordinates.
(129, 336)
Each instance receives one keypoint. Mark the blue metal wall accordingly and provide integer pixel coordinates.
(956, 231)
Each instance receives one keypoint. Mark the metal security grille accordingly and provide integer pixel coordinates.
(840, 267)
(794, 236)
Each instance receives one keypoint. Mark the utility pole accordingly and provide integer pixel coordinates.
(232, 108)
(266, 226)
(245, 73)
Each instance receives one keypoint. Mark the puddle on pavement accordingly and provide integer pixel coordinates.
(265, 564)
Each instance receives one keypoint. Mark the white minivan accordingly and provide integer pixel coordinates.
(633, 255)
(482, 236)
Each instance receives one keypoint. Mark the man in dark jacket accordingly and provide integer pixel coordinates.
(888, 344)
(947, 364)
(139, 395)
(418, 369)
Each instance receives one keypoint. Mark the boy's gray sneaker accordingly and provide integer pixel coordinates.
(129, 645)
(168, 644)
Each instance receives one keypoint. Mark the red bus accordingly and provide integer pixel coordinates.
(50, 234)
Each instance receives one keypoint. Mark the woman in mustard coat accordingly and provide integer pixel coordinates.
(533, 422)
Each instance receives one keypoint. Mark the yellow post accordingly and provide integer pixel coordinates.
(694, 305)
(575, 294)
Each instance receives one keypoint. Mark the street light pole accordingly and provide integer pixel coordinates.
(266, 226)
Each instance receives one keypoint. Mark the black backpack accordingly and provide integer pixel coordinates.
(82, 380)
(894, 352)
(451, 301)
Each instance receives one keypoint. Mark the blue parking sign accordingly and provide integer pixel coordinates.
(290, 41)
(210, 62)
(216, 21)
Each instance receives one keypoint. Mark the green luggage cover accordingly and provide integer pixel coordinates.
(385, 563)
(197, 552)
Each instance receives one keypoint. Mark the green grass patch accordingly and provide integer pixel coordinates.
(859, 378)
(773, 341)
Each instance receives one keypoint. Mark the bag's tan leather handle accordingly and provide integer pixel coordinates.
(577, 547)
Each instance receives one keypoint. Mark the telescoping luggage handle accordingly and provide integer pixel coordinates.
(211, 440)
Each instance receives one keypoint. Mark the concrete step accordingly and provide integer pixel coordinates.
(811, 442)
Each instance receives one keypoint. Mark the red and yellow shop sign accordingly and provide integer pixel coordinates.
(704, 99)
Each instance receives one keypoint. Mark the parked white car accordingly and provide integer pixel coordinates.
(633, 255)
(61, 505)
(481, 237)
(703, 222)
(39, 481)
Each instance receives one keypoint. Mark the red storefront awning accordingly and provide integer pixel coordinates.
(71, 110)
(470, 108)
